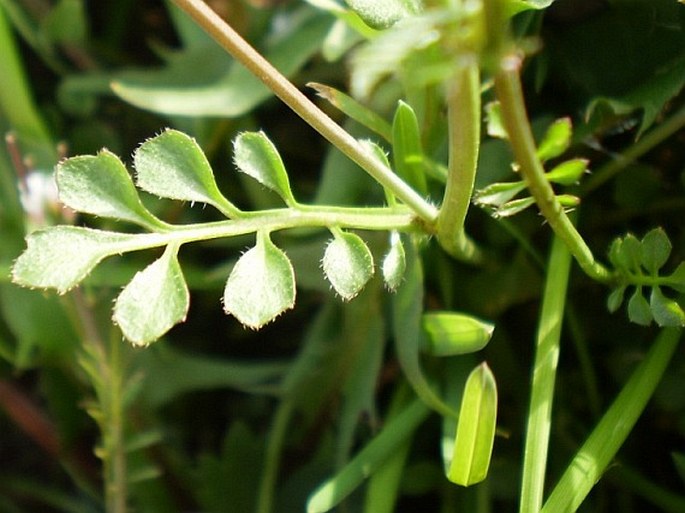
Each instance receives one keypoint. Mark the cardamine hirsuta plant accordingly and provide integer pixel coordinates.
(451, 67)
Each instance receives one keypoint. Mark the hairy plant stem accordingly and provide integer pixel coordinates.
(510, 95)
(544, 377)
(235, 45)
(463, 112)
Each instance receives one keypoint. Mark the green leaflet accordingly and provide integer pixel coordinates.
(155, 300)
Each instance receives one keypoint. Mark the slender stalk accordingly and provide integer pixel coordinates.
(272, 460)
(654, 137)
(234, 44)
(544, 377)
(463, 112)
(510, 95)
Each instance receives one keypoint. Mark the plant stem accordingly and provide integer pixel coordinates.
(510, 95)
(635, 151)
(234, 44)
(544, 376)
(463, 105)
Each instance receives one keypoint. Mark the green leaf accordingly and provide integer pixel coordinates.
(354, 110)
(476, 428)
(406, 148)
(677, 279)
(66, 23)
(556, 140)
(255, 155)
(394, 263)
(514, 207)
(261, 286)
(61, 256)
(497, 194)
(639, 311)
(172, 165)
(666, 311)
(100, 185)
(655, 250)
(154, 301)
(453, 333)
(395, 432)
(569, 172)
(347, 264)
(380, 14)
(568, 200)
(495, 123)
(626, 253)
(615, 299)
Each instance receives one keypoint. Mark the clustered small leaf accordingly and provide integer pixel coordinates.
(639, 261)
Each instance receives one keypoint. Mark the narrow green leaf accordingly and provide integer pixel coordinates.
(406, 147)
(395, 432)
(101, 185)
(514, 207)
(61, 256)
(569, 172)
(154, 301)
(453, 333)
(615, 299)
(497, 194)
(173, 165)
(394, 263)
(568, 200)
(347, 264)
(476, 428)
(407, 311)
(600, 448)
(354, 110)
(666, 311)
(639, 311)
(556, 140)
(261, 286)
(655, 250)
(255, 155)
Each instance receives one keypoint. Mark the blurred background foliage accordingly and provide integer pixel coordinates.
(81, 75)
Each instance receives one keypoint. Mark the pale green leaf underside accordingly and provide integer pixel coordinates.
(347, 264)
(101, 185)
(394, 263)
(172, 165)
(261, 286)
(61, 256)
(155, 299)
(475, 429)
(255, 155)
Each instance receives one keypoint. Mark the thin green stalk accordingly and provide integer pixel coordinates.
(601, 446)
(510, 95)
(234, 44)
(544, 376)
(272, 460)
(654, 137)
(463, 113)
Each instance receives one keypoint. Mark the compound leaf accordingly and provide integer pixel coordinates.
(255, 155)
(347, 264)
(261, 286)
(101, 185)
(172, 165)
(61, 256)
(154, 301)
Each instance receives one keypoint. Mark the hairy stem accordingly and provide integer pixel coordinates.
(544, 377)
(463, 105)
(234, 44)
(510, 95)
